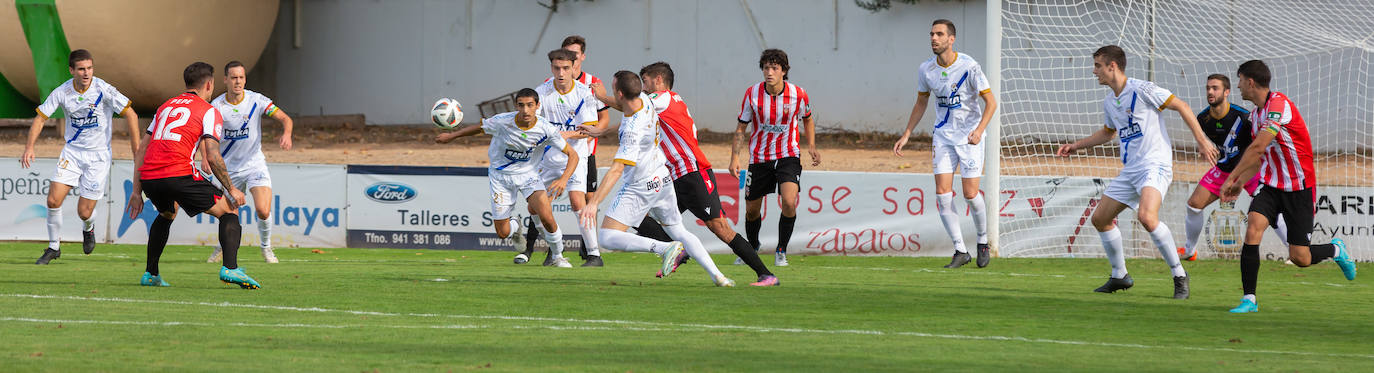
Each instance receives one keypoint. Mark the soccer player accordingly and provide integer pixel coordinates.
(517, 139)
(1228, 126)
(694, 183)
(775, 107)
(566, 104)
(647, 190)
(1132, 110)
(955, 79)
(1281, 153)
(243, 110)
(89, 104)
(164, 167)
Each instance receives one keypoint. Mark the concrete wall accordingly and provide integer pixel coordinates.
(391, 60)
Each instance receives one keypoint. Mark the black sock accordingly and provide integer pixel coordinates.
(751, 229)
(650, 228)
(230, 232)
(531, 234)
(157, 239)
(785, 224)
(1322, 252)
(1249, 267)
(750, 256)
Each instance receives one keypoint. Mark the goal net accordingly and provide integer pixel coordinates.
(1319, 52)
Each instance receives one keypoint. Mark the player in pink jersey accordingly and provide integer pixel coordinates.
(775, 107)
(1281, 152)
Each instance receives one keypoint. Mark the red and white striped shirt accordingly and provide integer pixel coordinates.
(775, 120)
(1287, 163)
(587, 78)
(678, 134)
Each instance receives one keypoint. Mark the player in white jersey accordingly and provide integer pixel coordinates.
(518, 140)
(955, 80)
(566, 104)
(89, 105)
(1132, 111)
(648, 188)
(242, 148)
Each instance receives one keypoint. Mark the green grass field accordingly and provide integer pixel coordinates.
(406, 310)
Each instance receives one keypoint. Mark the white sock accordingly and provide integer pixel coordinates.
(617, 240)
(1164, 241)
(694, 248)
(945, 204)
(265, 230)
(88, 224)
(54, 228)
(1282, 230)
(1192, 226)
(555, 240)
(588, 236)
(1249, 297)
(1111, 244)
(979, 207)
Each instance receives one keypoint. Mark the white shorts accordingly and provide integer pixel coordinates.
(655, 198)
(506, 189)
(548, 172)
(1126, 187)
(86, 171)
(251, 178)
(969, 158)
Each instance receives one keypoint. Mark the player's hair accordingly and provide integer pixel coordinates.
(527, 92)
(1255, 69)
(563, 55)
(1225, 81)
(197, 73)
(1112, 53)
(777, 57)
(660, 69)
(233, 64)
(78, 55)
(948, 25)
(627, 83)
(575, 39)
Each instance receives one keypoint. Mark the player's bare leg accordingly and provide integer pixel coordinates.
(262, 205)
(789, 195)
(949, 217)
(539, 206)
(1103, 220)
(1163, 238)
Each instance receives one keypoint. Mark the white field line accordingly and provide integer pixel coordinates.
(1014, 274)
(626, 326)
(322, 326)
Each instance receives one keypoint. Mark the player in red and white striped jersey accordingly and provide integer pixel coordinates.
(1281, 152)
(693, 180)
(775, 107)
(164, 167)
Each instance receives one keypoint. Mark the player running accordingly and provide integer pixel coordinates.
(1228, 126)
(957, 138)
(775, 107)
(1281, 154)
(647, 190)
(89, 104)
(518, 140)
(1132, 111)
(694, 183)
(243, 110)
(164, 167)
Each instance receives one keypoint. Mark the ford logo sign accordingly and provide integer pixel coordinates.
(390, 192)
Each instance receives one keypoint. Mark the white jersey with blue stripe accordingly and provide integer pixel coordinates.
(565, 111)
(1135, 116)
(516, 150)
(89, 114)
(955, 90)
(241, 142)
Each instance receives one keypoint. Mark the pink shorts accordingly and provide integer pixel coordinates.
(1213, 179)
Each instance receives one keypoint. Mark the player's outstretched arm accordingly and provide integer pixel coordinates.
(737, 147)
(1204, 145)
(1102, 135)
(917, 111)
(217, 167)
(447, 137)
(131, 118)
(989, 109)
(287, 125)
(135, 204)
(1248, 165)
(599, 91)
(556, 189)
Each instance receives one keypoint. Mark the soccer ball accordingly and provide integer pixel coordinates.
(446, 113)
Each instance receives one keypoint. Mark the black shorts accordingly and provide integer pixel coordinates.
(193, 194)
(764, 178)
(696, 191)
(1296, 208)
(591, 173)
